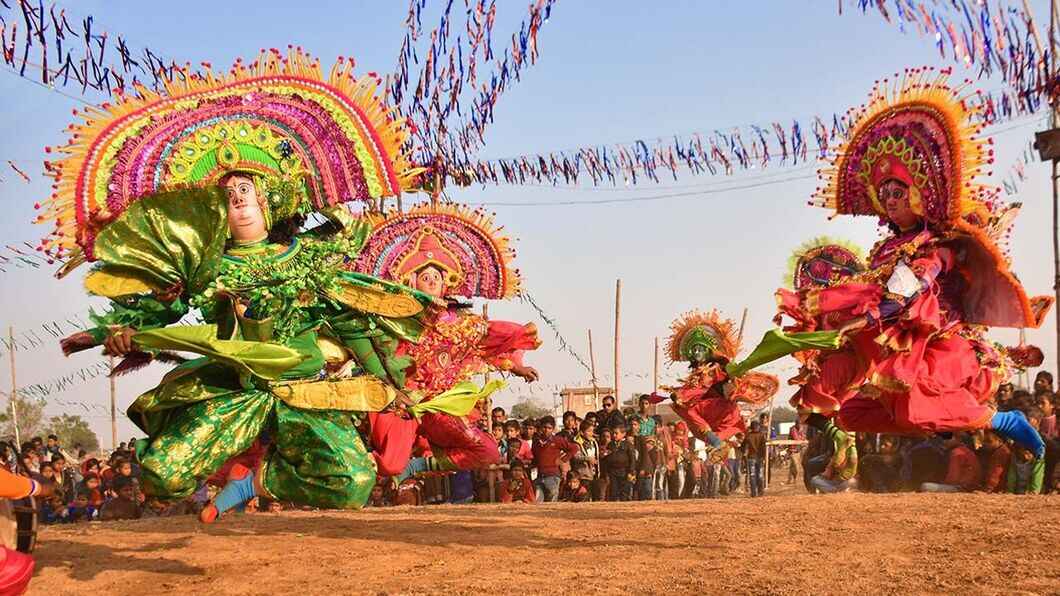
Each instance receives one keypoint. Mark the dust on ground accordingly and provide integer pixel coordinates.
(850, 543)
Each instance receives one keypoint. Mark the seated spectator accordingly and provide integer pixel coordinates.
(126, 505)
(1025, 472)
(574, 490)
(880, 472)
(378, 497)
(518, 488)
(994, 456)
(95, 493)
(838, 475)
(65, 479)
(963, 472)
(924, 462)
(80, 510)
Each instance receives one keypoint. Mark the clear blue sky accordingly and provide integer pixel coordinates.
(608, 71)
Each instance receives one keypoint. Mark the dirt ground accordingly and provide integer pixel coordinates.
(800, 544)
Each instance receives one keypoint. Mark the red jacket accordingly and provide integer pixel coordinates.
(518, 491)
(996, 470)
(964, 469)
(547, 452)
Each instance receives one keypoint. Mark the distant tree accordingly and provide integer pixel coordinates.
(73, 430)
(528, 408)
(30, 412)
(784, 414)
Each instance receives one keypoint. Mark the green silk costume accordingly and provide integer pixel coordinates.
(259, 369)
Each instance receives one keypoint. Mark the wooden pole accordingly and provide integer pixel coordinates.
(592, 371)
(113, 408)
(14, 385)
(655, 371)
(618, 368)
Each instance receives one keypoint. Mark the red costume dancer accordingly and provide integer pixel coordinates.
(447, 251)
(708, 397)
(914, 320)
(826, 379)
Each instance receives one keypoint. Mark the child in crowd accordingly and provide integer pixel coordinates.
(80, 510)
(995, 456)
(619, 463)
(126, 505)
(518, 488)
(574, 490)
(649, 459)
(1047, 425)
(502, 440)
(1025, 472)
(378, 497)
(92, 485)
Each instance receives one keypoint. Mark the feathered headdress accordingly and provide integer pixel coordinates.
(822, 262)
(917, 130)
(312, 141)
(463, 243)
(708, 333)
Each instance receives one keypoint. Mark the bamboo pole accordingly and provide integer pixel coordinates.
(14, 384)
(618, 368)
(655, 371)
(743, 321)
(113, 408)
(592, 371)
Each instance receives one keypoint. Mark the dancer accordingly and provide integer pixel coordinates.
(294, 346)
(918, 361)
(708, 398)
(447, 251)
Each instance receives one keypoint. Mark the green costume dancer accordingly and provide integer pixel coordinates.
(288, 344)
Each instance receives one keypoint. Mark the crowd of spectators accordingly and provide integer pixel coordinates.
(84, 487)
(606, 456)
(980, 461)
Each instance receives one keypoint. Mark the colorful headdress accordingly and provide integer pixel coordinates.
(696, 333)
(919, 131)
(464, 243)
(822, 262)
(309, 141)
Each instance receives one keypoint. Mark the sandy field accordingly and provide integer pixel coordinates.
(799, 544)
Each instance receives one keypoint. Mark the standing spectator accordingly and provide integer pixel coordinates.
(570, 426)
(618, 464)
(52, 446)
(517, 447)
(518, 488)
(1025, 472)
(1047, 426)
(963, 473)
(754, 448)
(763, 425)
(602, 489)
(586, 465)
(647, 463)
(1022, 400)
(995, 456)
(549, 452)
(1043, 383)
(795, 452)
(732, 464)
(502, 440)
(609, 416)
(499, 416)
(635, 442)
(644, 417)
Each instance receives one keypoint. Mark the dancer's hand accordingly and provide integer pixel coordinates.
(528, 374)
(120, 342)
